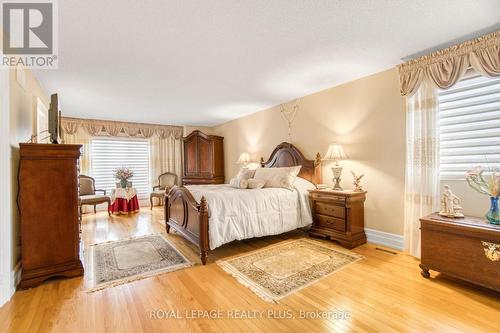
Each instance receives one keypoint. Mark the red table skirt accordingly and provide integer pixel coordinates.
(122, 206)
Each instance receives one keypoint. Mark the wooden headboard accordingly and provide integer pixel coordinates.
(286, 155)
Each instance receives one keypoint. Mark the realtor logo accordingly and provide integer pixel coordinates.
(29, 34)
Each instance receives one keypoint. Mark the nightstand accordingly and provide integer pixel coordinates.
(338, 215)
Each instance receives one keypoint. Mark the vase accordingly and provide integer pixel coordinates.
(493, 215)
(124, 182)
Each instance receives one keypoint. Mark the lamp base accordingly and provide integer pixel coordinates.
(336, 184)
(337, 172)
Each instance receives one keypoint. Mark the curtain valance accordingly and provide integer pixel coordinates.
(445, 67)
(115, 128)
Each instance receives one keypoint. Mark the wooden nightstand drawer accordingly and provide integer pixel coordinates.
(330, 210)
(331, 198)
(331, 222)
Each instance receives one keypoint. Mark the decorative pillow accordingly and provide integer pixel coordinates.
(238, 183)
(278, 177)
(256, 183)
(245, 173)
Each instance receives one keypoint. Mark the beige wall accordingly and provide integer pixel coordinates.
(367, 116)
(205, 129)
(22, 126)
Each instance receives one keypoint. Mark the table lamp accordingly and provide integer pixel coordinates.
(336, 152)
(244, 160)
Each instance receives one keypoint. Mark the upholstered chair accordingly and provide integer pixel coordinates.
(88, 195)
(166, 181)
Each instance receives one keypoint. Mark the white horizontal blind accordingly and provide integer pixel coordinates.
(109, 154)
(469, 121)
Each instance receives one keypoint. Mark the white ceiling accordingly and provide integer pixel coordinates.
(206, 62)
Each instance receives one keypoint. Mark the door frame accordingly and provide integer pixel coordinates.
(7, 288)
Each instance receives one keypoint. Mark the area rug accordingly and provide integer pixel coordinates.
(283, 269)
(127, 260)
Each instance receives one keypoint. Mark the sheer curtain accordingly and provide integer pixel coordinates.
(422, 162)
(165, 155)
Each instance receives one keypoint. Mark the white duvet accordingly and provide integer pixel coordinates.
(236, 214)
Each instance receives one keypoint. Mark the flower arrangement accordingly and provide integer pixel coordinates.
(488, 184)
(485, 184)
(123, 174)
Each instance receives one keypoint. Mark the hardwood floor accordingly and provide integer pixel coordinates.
(384, 293)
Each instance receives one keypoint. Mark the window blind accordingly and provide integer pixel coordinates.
(469, 125)
(109, 154)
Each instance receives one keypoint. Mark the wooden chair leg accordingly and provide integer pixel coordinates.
(95, 210)
(109, 208)
(81, 211)
(151, 201)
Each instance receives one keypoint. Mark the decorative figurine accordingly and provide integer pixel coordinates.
(450, 204)
(355, 181)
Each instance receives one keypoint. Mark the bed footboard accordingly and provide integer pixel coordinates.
(188, 217)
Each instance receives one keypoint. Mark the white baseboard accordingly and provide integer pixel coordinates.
(394, 241)
(15, 278)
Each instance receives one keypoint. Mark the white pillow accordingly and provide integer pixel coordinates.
(278, 177)
(303, 185)
(256, 183)
(238, 183)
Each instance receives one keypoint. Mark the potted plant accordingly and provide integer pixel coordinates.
(123, 174)
(488, 184)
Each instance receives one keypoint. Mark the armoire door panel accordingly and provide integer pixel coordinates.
(205, 164)
(191, 157)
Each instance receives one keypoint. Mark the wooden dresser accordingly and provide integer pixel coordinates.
(468, 249)
(203, 159)
(48, 201)
(338, 215)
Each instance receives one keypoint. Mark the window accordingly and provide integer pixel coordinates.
(109, 154)
(469, 124)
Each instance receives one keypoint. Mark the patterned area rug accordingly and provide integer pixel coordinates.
(127, 260)
(282, 269)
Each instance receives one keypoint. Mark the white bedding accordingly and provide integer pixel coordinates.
(236, 214)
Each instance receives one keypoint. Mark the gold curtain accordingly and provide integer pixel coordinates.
(166, 156)
(445, 67)
(116, 128)
(77, 135)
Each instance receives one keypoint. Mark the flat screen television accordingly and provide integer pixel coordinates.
(54, 118)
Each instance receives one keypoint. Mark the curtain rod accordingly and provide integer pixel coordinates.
(452, 42)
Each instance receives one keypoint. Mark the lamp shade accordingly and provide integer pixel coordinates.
(244, 158)
(335, 152)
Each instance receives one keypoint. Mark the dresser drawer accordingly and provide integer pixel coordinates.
(337, 199)
(331, 222)
(330, 210)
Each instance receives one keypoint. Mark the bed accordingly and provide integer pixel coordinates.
(212, 215)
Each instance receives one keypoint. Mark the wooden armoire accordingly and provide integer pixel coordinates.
(48, 203)
(203, 159)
